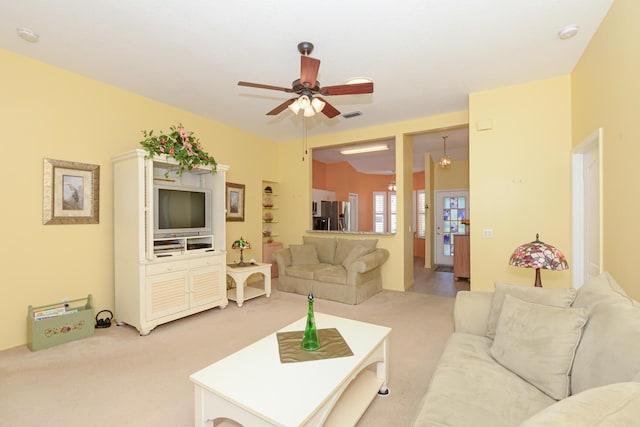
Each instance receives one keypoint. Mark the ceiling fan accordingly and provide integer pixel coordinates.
(309, 90)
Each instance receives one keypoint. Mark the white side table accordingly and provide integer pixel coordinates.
(242, 292)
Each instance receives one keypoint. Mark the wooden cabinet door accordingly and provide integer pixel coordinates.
(207, 285)
(166, 294)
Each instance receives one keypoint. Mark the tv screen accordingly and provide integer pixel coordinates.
(180, 209)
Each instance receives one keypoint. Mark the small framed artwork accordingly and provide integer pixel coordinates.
(235, 202)
(71, 193)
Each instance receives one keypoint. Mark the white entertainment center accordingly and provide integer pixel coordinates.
(164, 272)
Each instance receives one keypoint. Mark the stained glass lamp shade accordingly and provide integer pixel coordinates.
(242, 245)
(538, 255)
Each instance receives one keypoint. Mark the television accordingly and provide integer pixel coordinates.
(181, 211)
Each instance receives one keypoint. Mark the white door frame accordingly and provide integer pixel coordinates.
(593, 143)
(353, 208)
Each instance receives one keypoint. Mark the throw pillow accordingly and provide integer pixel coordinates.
(344, 246)
(538, 343)
(609, 351)
(303, 255)
(355, 253)
(611, 405)
(547, 296)
(326, 247)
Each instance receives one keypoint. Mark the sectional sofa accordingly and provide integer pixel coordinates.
(537, 357)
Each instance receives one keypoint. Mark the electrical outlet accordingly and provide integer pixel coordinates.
(487, 233)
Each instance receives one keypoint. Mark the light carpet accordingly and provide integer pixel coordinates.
(117, 378)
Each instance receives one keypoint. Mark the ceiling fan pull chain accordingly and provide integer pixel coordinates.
(304, 137)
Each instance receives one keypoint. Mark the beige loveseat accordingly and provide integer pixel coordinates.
(534, 357)
(337, 269)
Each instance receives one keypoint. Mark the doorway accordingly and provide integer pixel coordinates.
(451, 207)
(587, 208)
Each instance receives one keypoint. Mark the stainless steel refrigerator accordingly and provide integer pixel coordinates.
(337, 215)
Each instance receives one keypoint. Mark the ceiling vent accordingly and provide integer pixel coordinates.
(352, 114)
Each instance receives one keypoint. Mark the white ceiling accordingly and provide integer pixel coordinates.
(424, 56)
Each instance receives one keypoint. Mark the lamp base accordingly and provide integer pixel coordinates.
(538, 283)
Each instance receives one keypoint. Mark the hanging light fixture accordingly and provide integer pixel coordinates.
(392, 185)
(445, 161)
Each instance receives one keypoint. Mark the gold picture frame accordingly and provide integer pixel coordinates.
(71, 193)
(234, 201)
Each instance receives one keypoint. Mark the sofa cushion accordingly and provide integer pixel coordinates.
(325, 246)
(538, 343)
(547, 296)
(331, 274)
(305, 271)
(303, 255)
(610, 348)
(607, 406)
(469, 388)
(344, 247)
(356, 252)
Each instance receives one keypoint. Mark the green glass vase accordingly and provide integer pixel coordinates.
(310, 341)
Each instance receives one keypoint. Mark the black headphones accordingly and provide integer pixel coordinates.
(104, 322)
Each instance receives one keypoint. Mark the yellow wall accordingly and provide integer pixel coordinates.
(51, 113)
(520, 178)
(605, 93)
(454, 177)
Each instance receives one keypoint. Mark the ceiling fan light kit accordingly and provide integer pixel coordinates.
(307, 88)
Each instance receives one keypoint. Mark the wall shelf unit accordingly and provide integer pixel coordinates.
(269, 211)
(270, 223)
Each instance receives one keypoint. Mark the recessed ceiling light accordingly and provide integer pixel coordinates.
(28, 35)
(568, 32)
(357, 80)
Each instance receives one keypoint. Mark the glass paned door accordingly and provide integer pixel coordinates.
(451, 208)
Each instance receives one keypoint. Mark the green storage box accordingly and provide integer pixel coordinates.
(54, 324)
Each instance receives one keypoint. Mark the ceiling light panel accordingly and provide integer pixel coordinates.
(366, 149)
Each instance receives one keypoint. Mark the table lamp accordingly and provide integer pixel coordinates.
(538, 255)
(242, 245)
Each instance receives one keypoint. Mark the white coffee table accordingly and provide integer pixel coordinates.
(254, 388)
(242, 292)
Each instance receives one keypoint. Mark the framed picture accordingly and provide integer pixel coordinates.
(235, 202)
(71, 193)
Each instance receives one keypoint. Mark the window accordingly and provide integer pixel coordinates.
(379, 212)
(421, 202)
(392, 212)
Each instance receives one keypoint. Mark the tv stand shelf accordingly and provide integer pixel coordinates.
(161, 276)
(171, 246)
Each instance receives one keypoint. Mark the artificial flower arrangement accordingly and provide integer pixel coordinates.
(181, 145)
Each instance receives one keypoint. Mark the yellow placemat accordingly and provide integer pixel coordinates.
(331, 345)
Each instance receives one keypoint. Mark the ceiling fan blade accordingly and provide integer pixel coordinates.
(354, 89)
(280, 108)
(309, 71)
(329, 110)
(261, 86)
